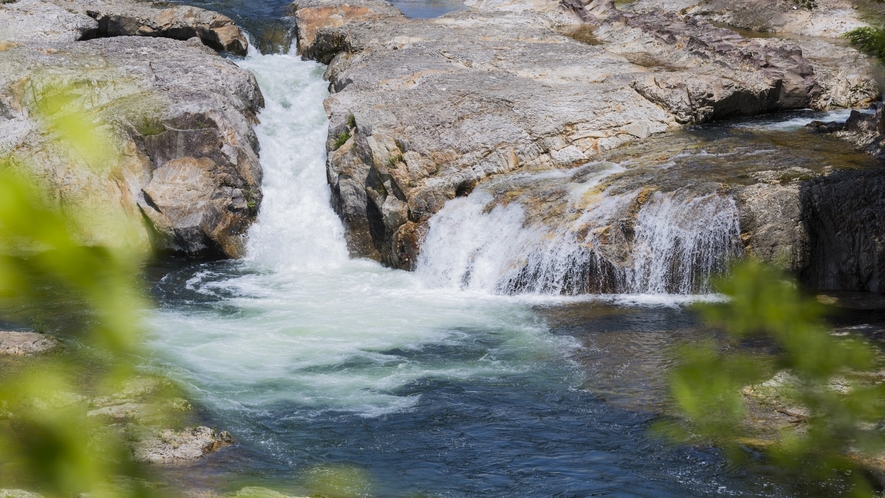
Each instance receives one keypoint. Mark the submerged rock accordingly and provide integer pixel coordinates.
(180, 118)
(18, 493)
(25, 343)
(259, 492)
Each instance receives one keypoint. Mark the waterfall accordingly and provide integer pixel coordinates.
(678, 239)
(300, 325)
(682, 240)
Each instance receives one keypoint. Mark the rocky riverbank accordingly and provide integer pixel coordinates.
(423, 111)
(147, 411)
(180, 117)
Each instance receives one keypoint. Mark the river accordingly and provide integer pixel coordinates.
(409, 383)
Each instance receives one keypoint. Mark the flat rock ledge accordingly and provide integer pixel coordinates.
(186, 174)
(846, 76)
(422, 111)
(25, 343)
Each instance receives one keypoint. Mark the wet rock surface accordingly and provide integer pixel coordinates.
(865, 130)
(426, 111)
(660, 216)
(181, 118)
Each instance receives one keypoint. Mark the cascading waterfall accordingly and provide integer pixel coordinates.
(476, 244)
(433, 382)
(679, 240)
(682, 240)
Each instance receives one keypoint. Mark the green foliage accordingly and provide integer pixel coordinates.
(808, 4)
(341, 139)
(251, 199)
(395, 160)
(46, 439)
(351, 121)
(840, 431)
(870, 41)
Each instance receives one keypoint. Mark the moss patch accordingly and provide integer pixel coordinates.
(147, 127)
(341, 139)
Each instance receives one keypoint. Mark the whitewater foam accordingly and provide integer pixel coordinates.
(298, 323)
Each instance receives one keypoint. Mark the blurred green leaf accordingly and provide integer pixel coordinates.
(829, 382)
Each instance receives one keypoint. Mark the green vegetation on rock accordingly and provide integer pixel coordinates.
(870, 41)
(395, 160)
(341, 139)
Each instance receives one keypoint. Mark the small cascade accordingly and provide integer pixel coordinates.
(565, 236)
(682, 240)
(478, 243)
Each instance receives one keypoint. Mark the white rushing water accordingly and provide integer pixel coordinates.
(679, 240)
(298, 322)
(472, 247)
(791, 121)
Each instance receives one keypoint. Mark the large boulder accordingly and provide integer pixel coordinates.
(72, 20)
(424, 110)
(179, 118)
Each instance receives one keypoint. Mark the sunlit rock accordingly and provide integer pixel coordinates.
(25, 343)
